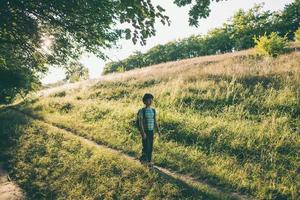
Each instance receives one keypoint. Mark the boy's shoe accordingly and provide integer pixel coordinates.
(150, 165)
(144, 162)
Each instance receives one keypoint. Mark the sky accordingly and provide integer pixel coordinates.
(179, 28)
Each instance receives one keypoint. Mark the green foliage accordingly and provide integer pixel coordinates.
(59, 94)
(75, 71)
(236, 34)
(288, 21)
(120, 69)
(18, 67)
(94, 114)
(246, 24)
(216, 41)
(66, 108)
(270, 45)
(297, 35)
(199, 9)
(60, 107)
(15, 81)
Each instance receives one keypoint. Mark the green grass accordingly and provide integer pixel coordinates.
(232, 121)
(48, 164)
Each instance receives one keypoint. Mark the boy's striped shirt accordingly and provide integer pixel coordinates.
(149, 118)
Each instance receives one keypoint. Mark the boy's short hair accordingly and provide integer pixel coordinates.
(147, 96)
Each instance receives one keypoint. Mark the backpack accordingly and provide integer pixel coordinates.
(144, 116)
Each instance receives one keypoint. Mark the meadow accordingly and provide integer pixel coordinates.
(49, 164)
(231, 120)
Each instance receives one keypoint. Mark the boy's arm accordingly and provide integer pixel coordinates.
(157, 126)
(141, 124)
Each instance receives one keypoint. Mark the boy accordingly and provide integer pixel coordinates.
(146, 123)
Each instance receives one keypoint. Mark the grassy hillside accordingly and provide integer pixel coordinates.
(49, 164)
(231, 120)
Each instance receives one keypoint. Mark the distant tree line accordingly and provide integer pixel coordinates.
(236, 34)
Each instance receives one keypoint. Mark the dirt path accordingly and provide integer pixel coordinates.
(181, 177)
(8, 189)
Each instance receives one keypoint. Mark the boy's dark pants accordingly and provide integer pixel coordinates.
(147, 146)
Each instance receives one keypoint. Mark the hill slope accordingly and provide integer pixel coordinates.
(230, 120)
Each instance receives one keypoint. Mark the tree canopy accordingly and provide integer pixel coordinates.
(75, 71)
(72, 27)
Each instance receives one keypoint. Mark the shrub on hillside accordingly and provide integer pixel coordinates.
(60, 107)
(93, 113)
(270, 45)
(59, 94)
(66, 108)
(297, 35)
